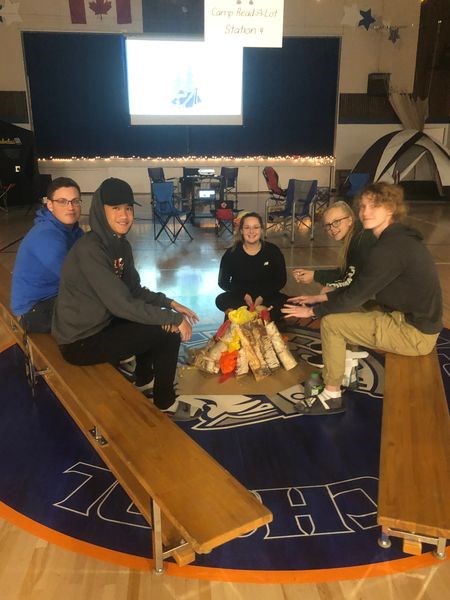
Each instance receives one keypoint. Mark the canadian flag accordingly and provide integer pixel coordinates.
(83, 11)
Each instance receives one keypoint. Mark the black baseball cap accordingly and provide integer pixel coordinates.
(115, 191)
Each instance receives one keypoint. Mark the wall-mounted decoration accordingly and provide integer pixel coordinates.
(85, 11)
(351, 16)
(367, 19)
(356, 17)
(9, 12)
(394, 34)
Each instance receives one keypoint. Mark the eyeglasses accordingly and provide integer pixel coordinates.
(334, 224)
(64, 202)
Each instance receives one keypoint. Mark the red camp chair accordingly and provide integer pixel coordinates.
(271, 177)
(225, 214)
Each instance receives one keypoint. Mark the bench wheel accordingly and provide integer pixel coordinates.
(440, 549)
(384, 541)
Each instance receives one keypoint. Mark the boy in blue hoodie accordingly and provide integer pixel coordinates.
(35, 279)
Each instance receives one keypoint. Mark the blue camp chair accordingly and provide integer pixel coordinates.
(166, 216)
(354, 184)
(297, 209)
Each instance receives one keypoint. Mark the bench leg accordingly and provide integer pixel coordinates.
(180, 550)
(157, 538)
(30, 369)
(440, 548)
(29, 365)
(412, 542)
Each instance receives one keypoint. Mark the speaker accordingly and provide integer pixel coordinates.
(173, 17)
(378, 84)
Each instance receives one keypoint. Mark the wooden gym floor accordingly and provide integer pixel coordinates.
(32, 569)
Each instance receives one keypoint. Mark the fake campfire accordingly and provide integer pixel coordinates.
(247, 342)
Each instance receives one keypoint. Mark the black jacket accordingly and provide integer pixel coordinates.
(399, 274)
(260, 275)
(359, 248)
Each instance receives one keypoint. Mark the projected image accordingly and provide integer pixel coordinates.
(181, 83)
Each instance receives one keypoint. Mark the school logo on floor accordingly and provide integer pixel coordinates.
(317, 475)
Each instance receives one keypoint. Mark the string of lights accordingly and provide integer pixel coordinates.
(182, 160)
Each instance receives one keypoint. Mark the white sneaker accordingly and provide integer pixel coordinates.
(182, 411)
(350, 355)
(129, 363)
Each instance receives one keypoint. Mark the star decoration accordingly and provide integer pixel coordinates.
(394, 34)
(351, 16)
(9, 12)
(367, 19)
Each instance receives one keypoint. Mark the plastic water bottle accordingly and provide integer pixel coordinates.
(314, 384)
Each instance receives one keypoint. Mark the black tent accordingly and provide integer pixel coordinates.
(407, 156)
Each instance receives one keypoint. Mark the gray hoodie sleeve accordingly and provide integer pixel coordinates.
(141, 306)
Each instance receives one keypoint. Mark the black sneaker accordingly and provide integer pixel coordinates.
(315, 361)
(146, 389)
(315, 406)
(129, 376)
(315, 347)
(128, 365)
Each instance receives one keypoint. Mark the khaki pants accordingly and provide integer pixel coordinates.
(375, 329)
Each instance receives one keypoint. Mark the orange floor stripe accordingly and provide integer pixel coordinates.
(210, 573)
(7, 345)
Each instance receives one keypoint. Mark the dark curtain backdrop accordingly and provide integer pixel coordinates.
(79, 101)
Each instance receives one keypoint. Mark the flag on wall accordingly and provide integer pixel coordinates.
(84, 11)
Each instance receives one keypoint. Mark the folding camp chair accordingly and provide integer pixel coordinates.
(228, 184)
(271, 177)
(354, 184)
(4, 189)
(224, 215)
(156, 174)
(166, 216)
(189, 182)
(297, 209)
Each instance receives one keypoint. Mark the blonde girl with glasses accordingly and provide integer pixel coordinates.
(341, 225)
(253, 271)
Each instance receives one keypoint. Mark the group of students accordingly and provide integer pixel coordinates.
(91, 297)
(86, 289)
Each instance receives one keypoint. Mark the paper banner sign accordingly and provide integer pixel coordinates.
(250, 23)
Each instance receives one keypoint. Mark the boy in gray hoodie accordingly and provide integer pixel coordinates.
(104, 314)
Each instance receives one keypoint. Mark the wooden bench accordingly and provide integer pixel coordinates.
(414, 489)
(191, 502)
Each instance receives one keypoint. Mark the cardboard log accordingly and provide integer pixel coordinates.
(283, 352)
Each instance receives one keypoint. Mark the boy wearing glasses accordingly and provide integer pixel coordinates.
(37, 269)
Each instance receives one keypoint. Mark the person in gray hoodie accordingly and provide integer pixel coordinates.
(400, 275)
(104, 314)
